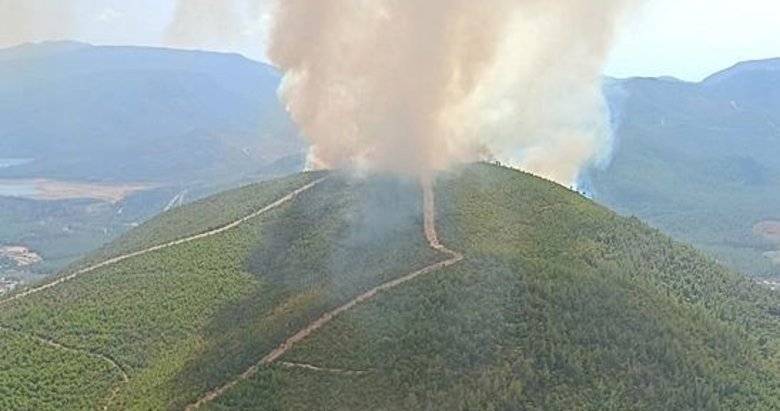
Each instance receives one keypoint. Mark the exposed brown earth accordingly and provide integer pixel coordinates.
(66, 190)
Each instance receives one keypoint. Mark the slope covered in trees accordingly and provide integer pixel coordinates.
(558, 304)
(699, 160)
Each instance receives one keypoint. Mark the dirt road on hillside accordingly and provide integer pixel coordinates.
(119, 259)
(322, 369)
(114, 364)
(62, 347)
(429, 217)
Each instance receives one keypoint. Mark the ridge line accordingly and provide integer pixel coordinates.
(431, 235)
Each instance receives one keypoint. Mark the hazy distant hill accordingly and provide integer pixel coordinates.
(558, 304)
(700, 160)
(183, 123)
(133, 113)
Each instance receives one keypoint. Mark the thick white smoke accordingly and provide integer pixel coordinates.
(205, 22)
(417, 85)
(33, 20)
(411, 86)
(236, 25)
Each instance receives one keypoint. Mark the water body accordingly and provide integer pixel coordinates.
(13, 162)
(18, 190)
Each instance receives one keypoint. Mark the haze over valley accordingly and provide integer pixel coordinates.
(96, 188)
(700, 161)
(151, 129)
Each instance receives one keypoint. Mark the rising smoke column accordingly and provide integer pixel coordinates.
(201, 22)
(415, 85)
(33, 20)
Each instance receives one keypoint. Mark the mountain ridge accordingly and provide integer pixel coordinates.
(699, 160)
(183, 124)
(558, 303)
(771, 64)
(162, 97)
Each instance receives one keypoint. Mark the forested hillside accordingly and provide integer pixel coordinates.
(700, 160)
(558, 304)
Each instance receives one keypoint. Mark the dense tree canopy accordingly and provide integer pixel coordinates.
(559, 304)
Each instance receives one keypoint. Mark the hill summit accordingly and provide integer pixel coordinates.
(487, 289)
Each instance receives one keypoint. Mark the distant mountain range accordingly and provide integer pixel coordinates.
(700, 160)
(132, 113)
(184, 124)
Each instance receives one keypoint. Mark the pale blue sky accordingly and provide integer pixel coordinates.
(689, 39)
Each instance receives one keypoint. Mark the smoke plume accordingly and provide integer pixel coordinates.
(412, 86)
(201, 22)
(33, 20)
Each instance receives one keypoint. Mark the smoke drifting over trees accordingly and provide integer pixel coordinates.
(412, 86)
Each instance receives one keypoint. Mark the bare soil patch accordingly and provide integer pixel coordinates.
(65, 190)
(21, 256)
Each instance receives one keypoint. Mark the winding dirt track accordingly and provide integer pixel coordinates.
(104, 358)
(115, 260)
(321, 369)
(62, 347)
(62, 280)
(433, 241)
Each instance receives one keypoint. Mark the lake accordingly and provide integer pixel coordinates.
(18, 189)
(12, 162)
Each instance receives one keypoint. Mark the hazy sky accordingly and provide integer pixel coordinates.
(691, 39)
(685, 38)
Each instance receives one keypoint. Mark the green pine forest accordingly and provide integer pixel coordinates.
(559, 304)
